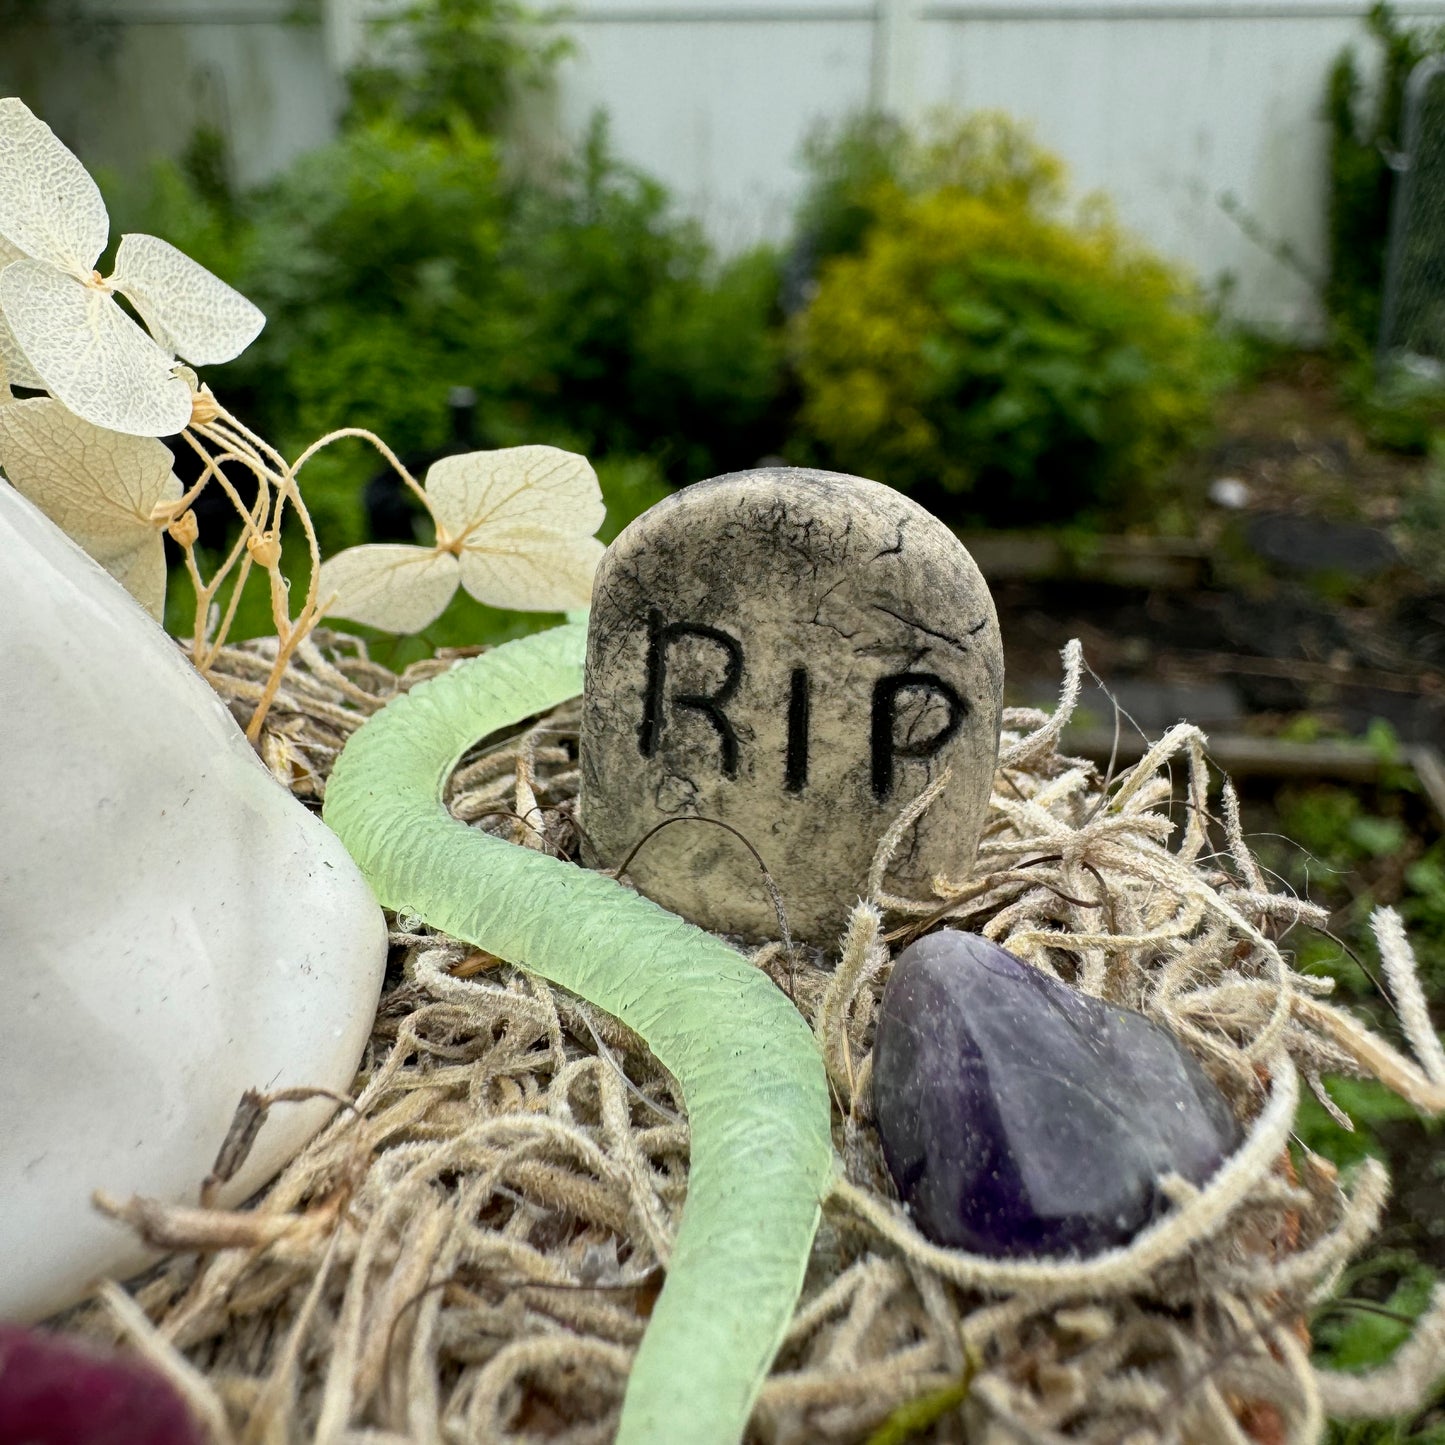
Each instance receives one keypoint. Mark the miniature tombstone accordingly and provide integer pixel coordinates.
(797, 654)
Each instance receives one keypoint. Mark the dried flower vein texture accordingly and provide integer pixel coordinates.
(386, 584)
(62, 321)
(14, 369)
(98, 486)
(49, 206)
(516, 487)
(514, 528)
(189, 311)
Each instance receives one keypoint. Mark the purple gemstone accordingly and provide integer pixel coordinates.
(1020, 1117)
(57, 1391)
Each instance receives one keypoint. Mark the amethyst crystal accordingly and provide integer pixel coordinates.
(1020, 1117)
(59, 1391)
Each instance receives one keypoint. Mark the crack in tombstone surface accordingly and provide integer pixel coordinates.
(895, 549)
(819, 621)
(928, 631)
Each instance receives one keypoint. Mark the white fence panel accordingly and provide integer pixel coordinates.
(132, 79)
(716, 102)
(1178, 118)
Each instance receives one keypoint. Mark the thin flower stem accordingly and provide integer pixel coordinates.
(280, 600)
(244, 443)
(206, 594)
(289, 634)
(239, 553)
(240, 448)
(355, 431)
(278, 671)
(234, 601)
(242, 451)
(286, 487)
(230, 422)
(252, 520)
(236, 441)
(212, 469)
(294, 635)
(313, 546)
(258, 470)
(203, 604)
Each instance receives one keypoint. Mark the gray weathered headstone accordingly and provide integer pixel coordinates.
(798, 654)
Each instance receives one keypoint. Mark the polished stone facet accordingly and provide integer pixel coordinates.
(1021, 1117)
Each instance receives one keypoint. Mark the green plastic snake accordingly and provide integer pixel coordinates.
(750, 1071)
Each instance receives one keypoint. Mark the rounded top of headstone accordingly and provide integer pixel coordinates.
(796, 653)
(767, 497)
(805, 481)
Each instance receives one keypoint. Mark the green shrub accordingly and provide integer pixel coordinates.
(634, 338)
(630, 485)
(984, 344)
(1400, 407)
(375, 261)
(399, 263)
(854, 165)
(847, 164)
(439, 61)
(409, 258)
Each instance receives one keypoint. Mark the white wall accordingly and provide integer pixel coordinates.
(134, 78)
(717, 106)
(1172, 116)
(1169, 106)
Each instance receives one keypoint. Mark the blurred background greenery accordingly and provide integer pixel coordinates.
(946, 317)
(943, 297)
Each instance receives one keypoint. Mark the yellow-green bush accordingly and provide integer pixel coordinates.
(985, 343)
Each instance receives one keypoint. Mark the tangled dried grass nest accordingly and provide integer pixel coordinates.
(469, 1252)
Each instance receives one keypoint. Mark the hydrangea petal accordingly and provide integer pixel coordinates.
(49, 206)
(542, 487)
(17, 371)
(97, 486)
(92, 356)
(142, 572)
(531, 570)
(189, 311)
(388, 585)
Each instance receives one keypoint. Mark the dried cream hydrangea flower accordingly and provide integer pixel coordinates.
(66, 331)
(514, 528)
(112, 494)
(12, 359)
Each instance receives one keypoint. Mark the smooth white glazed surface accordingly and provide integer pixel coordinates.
(175, 928)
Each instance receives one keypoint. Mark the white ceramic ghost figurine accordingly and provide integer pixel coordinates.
(174, 927)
